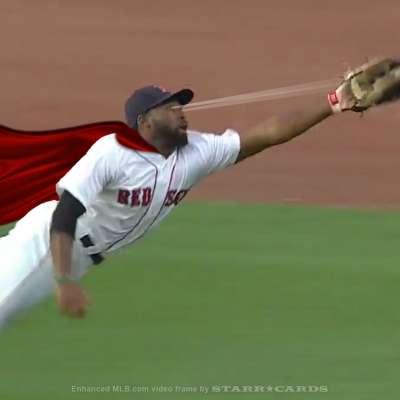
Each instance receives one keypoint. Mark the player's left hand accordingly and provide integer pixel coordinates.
(376, 82)
(72, 299)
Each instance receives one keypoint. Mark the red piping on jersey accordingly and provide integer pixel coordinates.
(165, 198)
(32, 162)
(148, 208)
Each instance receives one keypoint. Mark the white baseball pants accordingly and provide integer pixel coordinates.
(26, 270)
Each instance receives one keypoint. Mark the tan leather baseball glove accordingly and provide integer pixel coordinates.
(376, 82)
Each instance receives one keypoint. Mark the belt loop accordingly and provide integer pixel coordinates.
(86, 241)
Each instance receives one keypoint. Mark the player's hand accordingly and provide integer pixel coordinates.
(72, 299)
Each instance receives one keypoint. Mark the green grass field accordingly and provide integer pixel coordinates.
(227, 295)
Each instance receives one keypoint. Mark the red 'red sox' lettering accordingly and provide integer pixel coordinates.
(123, 196)
(174, 198)
(146, 196)
(135, 197)
(141, 197)
(169, 200)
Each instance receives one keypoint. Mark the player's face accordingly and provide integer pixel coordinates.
(169, 121)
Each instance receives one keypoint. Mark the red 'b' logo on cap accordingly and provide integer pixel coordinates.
(161, 88)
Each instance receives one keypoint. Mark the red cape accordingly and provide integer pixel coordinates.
(32, 162)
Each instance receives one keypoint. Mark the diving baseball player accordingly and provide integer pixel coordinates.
(115, 194)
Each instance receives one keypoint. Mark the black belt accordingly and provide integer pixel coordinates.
(87, 242)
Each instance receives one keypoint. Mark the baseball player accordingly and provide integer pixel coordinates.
(116, 193)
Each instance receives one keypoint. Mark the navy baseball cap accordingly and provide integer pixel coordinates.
(148, 97)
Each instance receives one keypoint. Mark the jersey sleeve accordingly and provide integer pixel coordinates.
(90, 175)
(219, 151)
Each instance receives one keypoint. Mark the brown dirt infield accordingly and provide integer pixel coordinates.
(72, 62)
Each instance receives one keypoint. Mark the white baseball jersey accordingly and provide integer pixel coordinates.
(126, 192)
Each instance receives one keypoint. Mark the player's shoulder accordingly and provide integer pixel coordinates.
(106, 145)
(211, 151)
(198, 136)
(106, 142)
(199, 139)
(195, 136)
(110, 149)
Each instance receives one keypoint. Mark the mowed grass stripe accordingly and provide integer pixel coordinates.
(227, 294)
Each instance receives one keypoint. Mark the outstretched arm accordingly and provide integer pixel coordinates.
(282, 128)
(376, 82)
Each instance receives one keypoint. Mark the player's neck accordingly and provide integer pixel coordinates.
(164, 148)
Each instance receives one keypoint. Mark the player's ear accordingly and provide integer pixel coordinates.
(141, 119)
